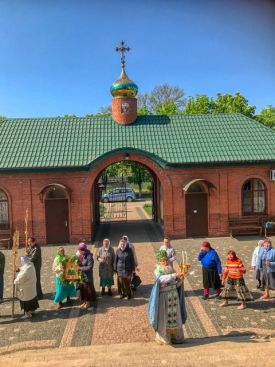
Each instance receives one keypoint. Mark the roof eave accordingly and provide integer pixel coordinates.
(221, 164)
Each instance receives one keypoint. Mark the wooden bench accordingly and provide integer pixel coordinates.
(5, 238)
(245, 225)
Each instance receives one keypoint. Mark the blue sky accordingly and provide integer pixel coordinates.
(57, 56)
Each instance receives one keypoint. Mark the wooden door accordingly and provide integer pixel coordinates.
(196, 214)
(57, 220)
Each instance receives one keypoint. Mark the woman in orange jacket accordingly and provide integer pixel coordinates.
(235, 287)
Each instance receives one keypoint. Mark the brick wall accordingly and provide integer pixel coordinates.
(124, 110)
(224, 196)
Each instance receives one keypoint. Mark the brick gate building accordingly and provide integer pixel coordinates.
(207, 169)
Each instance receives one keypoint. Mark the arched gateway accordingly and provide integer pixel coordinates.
(207, 169)
(114, 194)
(161, 193)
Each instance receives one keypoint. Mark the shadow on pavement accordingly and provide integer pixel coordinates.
(233, 336)
(262, 305)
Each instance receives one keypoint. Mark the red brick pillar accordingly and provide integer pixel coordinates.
(124, 110)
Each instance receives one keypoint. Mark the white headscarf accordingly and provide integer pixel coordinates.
(106, 239)
(25, 260)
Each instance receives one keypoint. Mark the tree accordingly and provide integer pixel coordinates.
(199, 104)
(267, 116)
(143, 104)
(106, 111)
(91, 115)
(167, 108)
(143, 111)
(139, 174)
(164, 99)
(134, 172)
(2, 118)
(70, 116)
(233, 103)
(224, 103)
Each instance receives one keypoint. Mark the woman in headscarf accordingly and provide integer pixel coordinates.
(86, 264)
(124, 265)
(266, 265)
(166, 309)
(254, 263)
(211, 269)
(132, 247)
(235, 287)
(106, 257)
(62, 290)
(26, 287)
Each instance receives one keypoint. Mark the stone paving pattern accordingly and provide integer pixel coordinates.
(125, 320)
(112, 320)
(259, 316)
(48, 323)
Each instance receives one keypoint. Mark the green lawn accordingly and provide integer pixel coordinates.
(148, 208)
(101, 211)
(146, 187)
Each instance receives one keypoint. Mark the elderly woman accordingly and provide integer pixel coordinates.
(266, 265)
(166, 309)
(171, 252)
(124, 266)
(132, 247)
(62, 290)
(211, 269)
(86, 263)
(254, 262)
(25, 283)
(106, 257)
(235, 286)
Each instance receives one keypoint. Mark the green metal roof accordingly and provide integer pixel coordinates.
(78, 143)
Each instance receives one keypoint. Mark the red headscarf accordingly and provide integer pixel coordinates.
(206, 244)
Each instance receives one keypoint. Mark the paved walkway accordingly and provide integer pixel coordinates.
(206, 318)
(126, 320)
(49, 327)
(116, 321)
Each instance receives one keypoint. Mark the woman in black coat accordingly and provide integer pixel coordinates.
(86, 263)
(34, 253)
(124, 266)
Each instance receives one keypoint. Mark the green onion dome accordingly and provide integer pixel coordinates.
(124, 87)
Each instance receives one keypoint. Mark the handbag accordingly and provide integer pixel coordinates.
(136, 281)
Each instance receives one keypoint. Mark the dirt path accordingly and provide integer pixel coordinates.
(241, 352)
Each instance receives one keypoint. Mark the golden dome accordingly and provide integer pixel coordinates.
(124, 87)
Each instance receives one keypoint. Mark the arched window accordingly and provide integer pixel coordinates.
(196, 187)
(4, 211)
(55, 193)
(254, 197)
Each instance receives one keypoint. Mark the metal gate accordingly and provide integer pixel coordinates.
(113, 200)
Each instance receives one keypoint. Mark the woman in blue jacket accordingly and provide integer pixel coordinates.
(211, 269)
(266, 265)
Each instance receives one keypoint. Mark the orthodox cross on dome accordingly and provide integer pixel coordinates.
(123, 49)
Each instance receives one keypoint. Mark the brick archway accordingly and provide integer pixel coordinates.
(153, 167)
